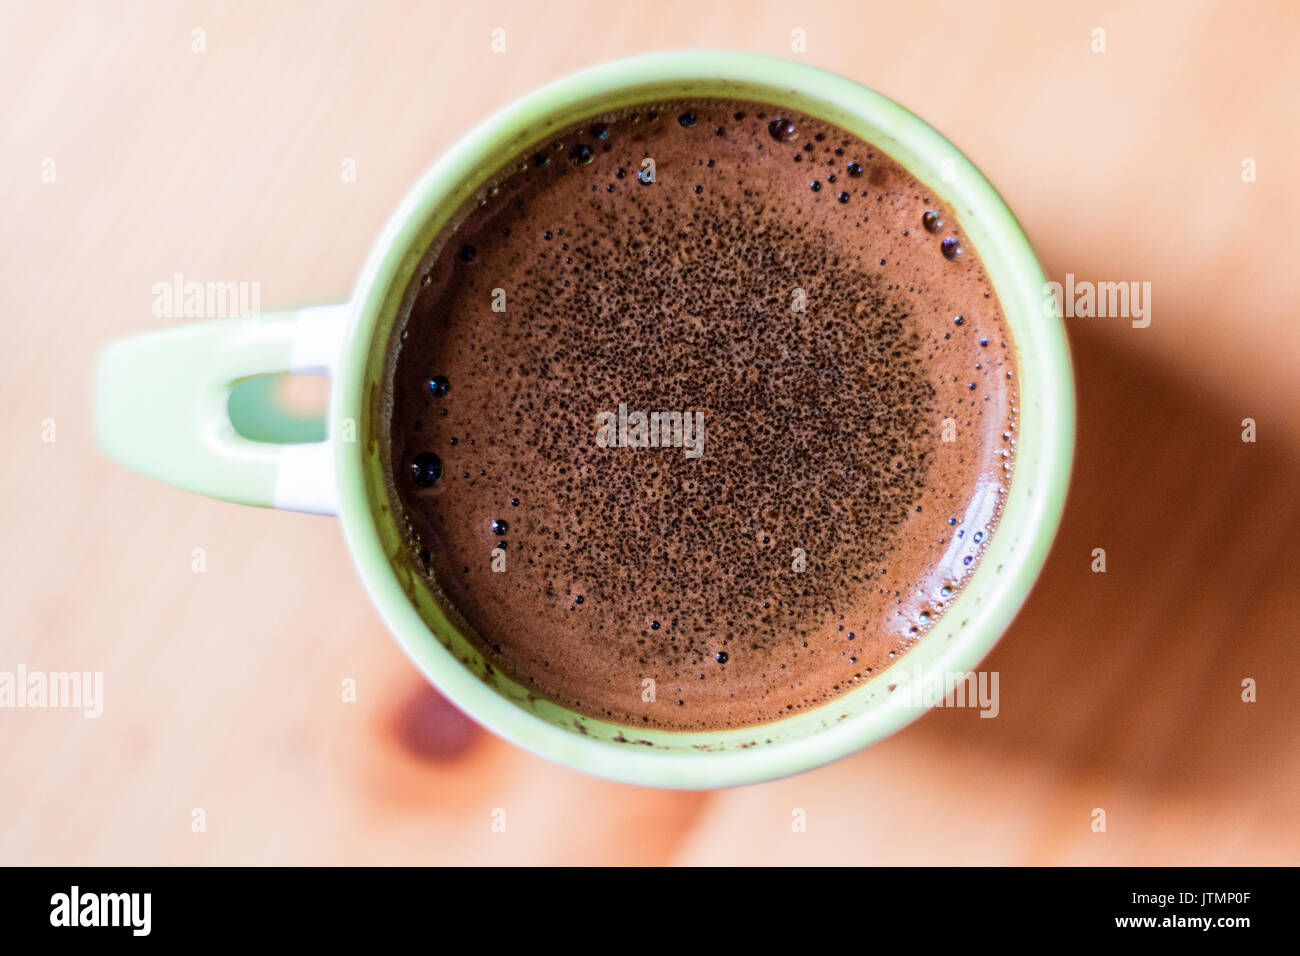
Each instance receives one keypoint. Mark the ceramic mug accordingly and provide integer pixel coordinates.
(162, 408)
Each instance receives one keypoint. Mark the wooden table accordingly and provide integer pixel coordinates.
(1120, 691)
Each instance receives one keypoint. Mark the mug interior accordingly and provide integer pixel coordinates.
(955, 644)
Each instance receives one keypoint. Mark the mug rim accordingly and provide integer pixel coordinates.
(1049, 406)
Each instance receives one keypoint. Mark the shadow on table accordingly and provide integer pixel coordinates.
(1135, 675)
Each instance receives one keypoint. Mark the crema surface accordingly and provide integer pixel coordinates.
(833, 392)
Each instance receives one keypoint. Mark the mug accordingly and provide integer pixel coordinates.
(162, 408)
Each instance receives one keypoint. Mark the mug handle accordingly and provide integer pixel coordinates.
(161, 406)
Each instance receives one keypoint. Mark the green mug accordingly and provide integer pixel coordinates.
(162, 408)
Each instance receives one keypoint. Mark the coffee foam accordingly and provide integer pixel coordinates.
(822, 433)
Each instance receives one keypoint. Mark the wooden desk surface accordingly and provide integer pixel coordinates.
(1120, 691)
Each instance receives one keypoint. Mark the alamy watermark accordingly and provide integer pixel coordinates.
(182, 299)
(921, 691)
(75, 908)
(1102, 300)
(58, 690)
(624, 429)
